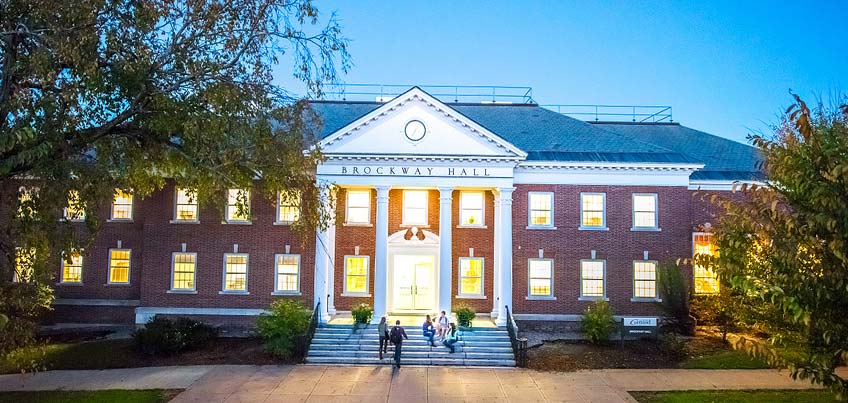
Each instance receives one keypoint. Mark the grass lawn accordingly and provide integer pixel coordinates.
(733, 396)
(724, 359)
(104, 396)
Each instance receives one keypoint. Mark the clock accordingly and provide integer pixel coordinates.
(415, 130)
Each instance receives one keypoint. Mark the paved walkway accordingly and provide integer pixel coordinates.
(306, 383)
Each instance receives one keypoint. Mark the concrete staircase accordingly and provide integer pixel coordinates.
(341, 344)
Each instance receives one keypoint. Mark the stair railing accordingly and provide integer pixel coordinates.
(306, 340)
(519, 344)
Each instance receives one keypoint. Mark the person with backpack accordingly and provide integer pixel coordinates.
(396, 336)
(383, 332)
(451, 338)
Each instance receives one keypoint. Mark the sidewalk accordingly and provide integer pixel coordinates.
(304, 383)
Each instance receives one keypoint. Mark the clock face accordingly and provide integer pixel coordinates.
(415, 130)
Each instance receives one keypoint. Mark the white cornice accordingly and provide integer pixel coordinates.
(424, 157)
(606, 166)
(724, 185)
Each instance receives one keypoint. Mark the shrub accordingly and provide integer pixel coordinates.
(674, 291)
(284, 328)
(673, 345)
(720, 310)
(362, 314)
(598, 322)
(464, 314)
(163, 336)
(23, 305)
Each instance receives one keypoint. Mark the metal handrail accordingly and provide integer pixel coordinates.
(636, 113)
(310, 331)
(445, 93)
(519, 344)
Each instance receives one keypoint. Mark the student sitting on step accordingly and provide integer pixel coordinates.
(428, 331)
(451, 338)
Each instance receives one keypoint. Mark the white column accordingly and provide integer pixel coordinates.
(496, 262)
(381, 254)
(505, 252)
(325, 251)
(445, 248)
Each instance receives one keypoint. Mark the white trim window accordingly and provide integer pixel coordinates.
(540, 282)
(235, 272)
(75, 211)
(71, 269)
(24, 260)
(288, 208)
(470, 277)
(593, 210)
(356, 275)
(183, 271)
(593, 279)
(238, 206)
(26, 201)
(119, 266)
(645, 211)
(706, 280)
(540, 209)
(471, 209)
(415, 207)
(358, 207)
(645, 279)
(287, 277)
(122, 206)
(185, 209)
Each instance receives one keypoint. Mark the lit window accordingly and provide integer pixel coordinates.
(645, 211)
(238, 205)
(706, 280)
(288, 274)
(24, 260)
(288, 210)
(119, 266)
(415, 207)
(592, 278)
(184, 267)
(26, 201)
(235, 272)
(356, 275)
(471, 208)
(358, 207)
(75, 210)
(593, 210)
(122, 206)
(186, 205)
(471, 276)
(541, 207)
(72, 269)
(644, 279)
(541, 277)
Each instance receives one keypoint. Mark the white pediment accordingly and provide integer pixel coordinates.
(382, 132)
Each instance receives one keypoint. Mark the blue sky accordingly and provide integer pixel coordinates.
(725, 67)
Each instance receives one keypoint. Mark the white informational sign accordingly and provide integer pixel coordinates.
(640, 322)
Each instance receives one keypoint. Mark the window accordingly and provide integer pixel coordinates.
(72, 269)
(26, 202)
(358, 207)
(415, 207)
(24, 259)
(593, 210)
(288, 274)
(183, 271)
(706, 280)
(471, 209)
(122, 206)
(644, 211)
(356, 275)
(541, 208)
(238, 205)
(288, 210)
(119, 266)
(592, 278)
(471, 276)
(75, 210)
(186, 205)
(541, 282)
(644, 279)
(235, 272)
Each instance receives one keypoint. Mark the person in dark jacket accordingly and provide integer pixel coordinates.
(383, 332)
(396, 336)
(428, 331)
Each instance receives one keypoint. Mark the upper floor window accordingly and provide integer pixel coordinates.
(119, 266)
(592, 278)
(471, 209)
(356, 275)
(235, 272)
(26, 201)
(238, 205)
(186, 209)
(541, 275)
(287, 274)
(358, 207)
(706, 280)
(122, 205)
(470, 276)
(183, 271)
(645, 211)
(415, 207)
(593, 210)
(541, 209)
(76, 209)
(288, 209)
(644, 279)
(24, 260)
(71, 269)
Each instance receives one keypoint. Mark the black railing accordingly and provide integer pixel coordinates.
(519, 344)
(306, 340)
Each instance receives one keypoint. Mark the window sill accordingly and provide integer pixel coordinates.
(354, 224)
(471, 297)
(357, 295)
(69, 284)
(542, 227)
(582, 228)
(237, 222)
(473, 226)
(286, 223)
(645, 229)
(233, 292)
(185, 221)
(593, 299)
(181, 292)
(539, 298)
(116, 285)
(415, 225)
(287, 293)
(71, 221)
(635, 299)
(120, 220)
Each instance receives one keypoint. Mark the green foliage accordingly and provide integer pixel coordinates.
(726, 359)
(598, 323)
(362, 313)
(3, 321)
(673, 344)
(464, 314)
(284, 328)
(784, 246)
(734, 396)
(673, 288)
(22, 305)
(721, 310)
(162, 336)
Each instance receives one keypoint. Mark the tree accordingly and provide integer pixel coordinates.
(103, 95)
(786, 245)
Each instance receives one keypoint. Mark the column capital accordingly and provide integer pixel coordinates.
(445, 194)
(504, 192)
(383, 193)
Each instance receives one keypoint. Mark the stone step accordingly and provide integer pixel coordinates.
(411, 337)
(411, 361)
(413, 354)
(411, 342)
(373, 348)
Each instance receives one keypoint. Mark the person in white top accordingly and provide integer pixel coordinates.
(442, 325)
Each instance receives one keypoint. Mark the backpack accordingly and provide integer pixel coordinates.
(395, 336)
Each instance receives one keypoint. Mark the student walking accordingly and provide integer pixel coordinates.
(396, 336)
(383, 332)
(451, 338)
(428, 330)
(442, 325)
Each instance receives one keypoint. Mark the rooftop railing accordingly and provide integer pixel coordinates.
(615, 113)
(444, 93)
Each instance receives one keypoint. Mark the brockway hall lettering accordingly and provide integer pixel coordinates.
(415, 171)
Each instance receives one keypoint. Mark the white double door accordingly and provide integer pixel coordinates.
(414, 283)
